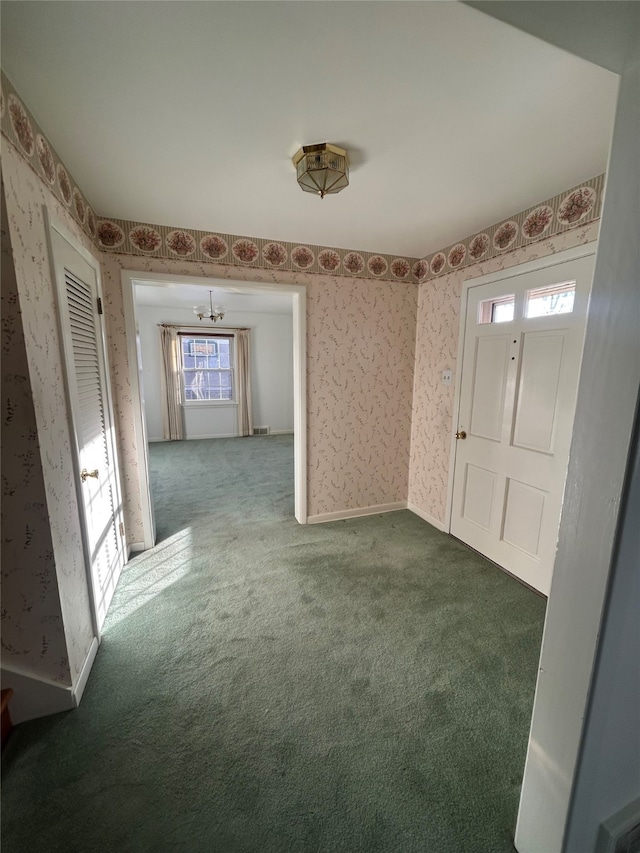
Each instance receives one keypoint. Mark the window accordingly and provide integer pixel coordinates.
(207, 368)
(498, 310)
(556, 299)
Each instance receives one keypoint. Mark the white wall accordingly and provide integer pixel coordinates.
(608, 776)
(586, 645)
(271, 373)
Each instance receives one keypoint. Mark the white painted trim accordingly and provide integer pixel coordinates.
(209, 404)
(66, 343)
(430, 519)
(227, 435)
(81, 683)
(298, 293)
(618, 825)
(588, 542)
(139, 420)
(35, 697)
(136, 547)
(300, 402)
(563, 257)
(356, 513)
(216, 435)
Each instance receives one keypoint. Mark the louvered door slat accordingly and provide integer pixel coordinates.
(80, 301)
(86, 372)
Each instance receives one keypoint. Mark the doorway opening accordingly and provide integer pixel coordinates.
(207, 358)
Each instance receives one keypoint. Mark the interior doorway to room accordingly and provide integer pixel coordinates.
(211, 398)
(522, 347)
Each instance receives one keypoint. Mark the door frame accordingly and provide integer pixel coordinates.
(298, 292)
(52, 224)
(563, 257)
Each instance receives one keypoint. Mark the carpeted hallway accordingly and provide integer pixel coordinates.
(362, 686)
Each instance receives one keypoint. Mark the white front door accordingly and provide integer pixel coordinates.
(521, 361)
(79, 303)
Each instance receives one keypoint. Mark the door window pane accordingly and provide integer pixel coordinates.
(498, 310)
(556, 299)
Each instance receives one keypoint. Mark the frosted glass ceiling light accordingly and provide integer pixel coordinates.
(322, 169)
(215, 312)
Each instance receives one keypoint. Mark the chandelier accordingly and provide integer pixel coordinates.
(322, 169)
(213, 312)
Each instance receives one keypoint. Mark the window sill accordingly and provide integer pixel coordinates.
(208, 404)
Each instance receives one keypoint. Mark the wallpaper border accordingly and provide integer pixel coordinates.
(26, 135)
(161, 241)
(572, 208)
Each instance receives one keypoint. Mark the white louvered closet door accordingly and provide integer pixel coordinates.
(97, 468)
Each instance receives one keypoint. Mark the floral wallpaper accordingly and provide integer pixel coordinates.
(571, 209)
(26, 196)
(360, 350)
(436, 350)
(32, 626)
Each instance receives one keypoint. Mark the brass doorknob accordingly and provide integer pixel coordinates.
(461, 434)
(84, 474)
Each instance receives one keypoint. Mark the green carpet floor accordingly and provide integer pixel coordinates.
(363, 686)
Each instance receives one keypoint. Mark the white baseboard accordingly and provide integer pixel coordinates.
(434, 522)
(136, 547)
(81, 683)
(356, 513)
(222, 435)
(217, 435)
(34, 696)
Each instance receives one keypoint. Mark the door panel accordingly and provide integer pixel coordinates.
(490, 373)
(88, 393)
(478, 496)
(524, 511)
(538, 385)
(517, 396)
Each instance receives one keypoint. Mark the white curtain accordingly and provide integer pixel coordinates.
(171, 384)
(243, 383)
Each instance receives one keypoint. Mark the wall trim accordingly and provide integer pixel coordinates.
(356, 513)
(81, 683)
(430, 519)
(225, 435)
(216, 435)
(136, 547)
(34, 696)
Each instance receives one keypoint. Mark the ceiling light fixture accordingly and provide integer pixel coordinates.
(322, 169)
(216, 312)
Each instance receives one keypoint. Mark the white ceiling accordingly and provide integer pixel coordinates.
(187, 114)
(227, 297)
